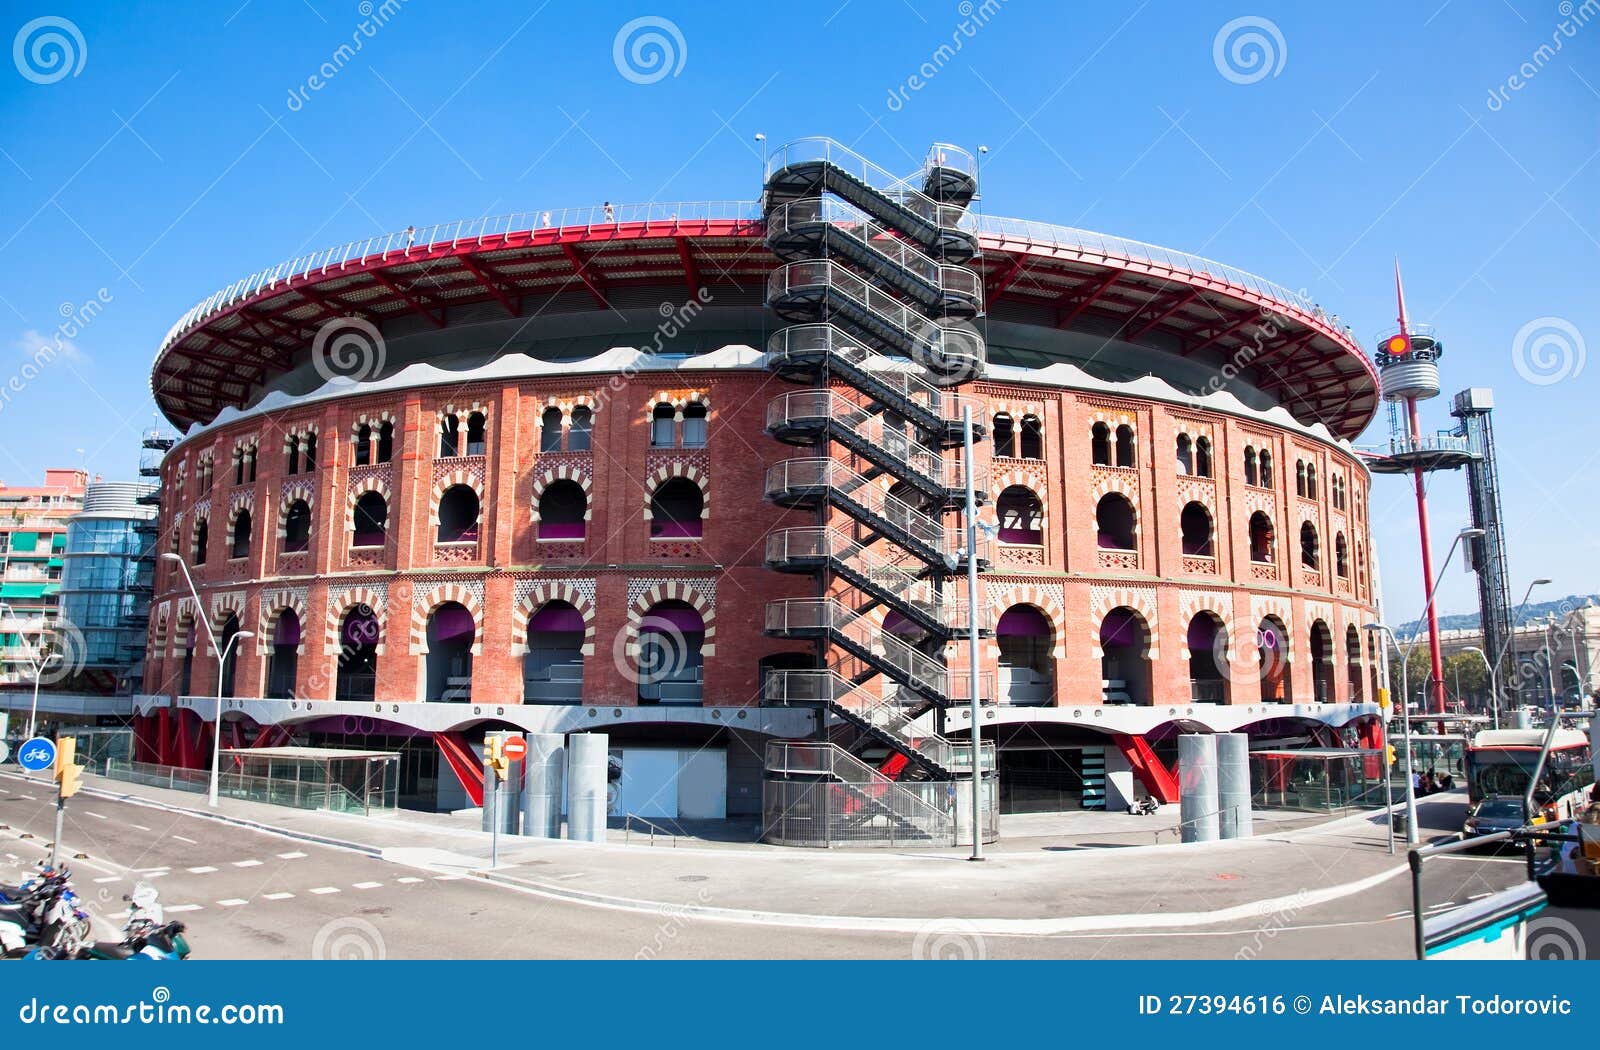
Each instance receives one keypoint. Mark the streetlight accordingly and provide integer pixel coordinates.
(1550, 666)
(1468, 533)
(1405, 727)
(1577, 684)
(1510, 642)
(36, 664)
(222, 662)
(1494, 691)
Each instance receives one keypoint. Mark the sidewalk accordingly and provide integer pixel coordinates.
(1059, 886)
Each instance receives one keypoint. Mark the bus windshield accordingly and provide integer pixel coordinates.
(1496, 771)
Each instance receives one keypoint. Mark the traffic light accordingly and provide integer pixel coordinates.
(1383, 698)
(69, 775)
(494, 753)
(1389, 748)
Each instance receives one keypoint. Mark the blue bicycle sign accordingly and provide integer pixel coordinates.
(37, 755)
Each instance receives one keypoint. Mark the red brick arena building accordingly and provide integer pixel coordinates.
(692, 475)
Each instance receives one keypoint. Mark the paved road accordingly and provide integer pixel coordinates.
(252, 894)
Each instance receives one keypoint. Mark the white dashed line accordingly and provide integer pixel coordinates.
(446, 878)
(97, 816)
(181, 907)
(106, 879)
(368, 885)
(190, 841)
(408, 879)
(203, 869)
(247, 864)
(296, 855)
(325, 889)
(276, 896)
(139, 827)
(232, 902)
(30, 798)
(1478, 896)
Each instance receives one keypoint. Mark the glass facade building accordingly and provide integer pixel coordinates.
(106, 578)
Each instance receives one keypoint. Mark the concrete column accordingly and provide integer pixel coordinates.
(543, 777)
(587, 759)
(1197, 787)
(1121, 787)
(1233, 786)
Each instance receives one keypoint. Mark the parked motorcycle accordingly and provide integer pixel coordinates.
(44, 914)
(146, 934)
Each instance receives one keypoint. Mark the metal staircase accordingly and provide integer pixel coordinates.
(879, 300)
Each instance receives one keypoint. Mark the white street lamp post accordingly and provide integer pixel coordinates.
(36, 664)
(1405, 727)
(222, 662)
(1494, 691)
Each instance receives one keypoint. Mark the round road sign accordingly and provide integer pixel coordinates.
(515, 748)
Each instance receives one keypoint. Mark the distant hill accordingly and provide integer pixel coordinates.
(1534, 611)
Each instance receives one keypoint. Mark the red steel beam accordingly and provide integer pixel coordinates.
(1177, 303)
(414, 303)
(493, 286)
(691, 272)
(1223, 333)
(997, 288)
(577, 263)
(1088, 300)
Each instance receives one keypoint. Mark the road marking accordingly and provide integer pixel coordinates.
(30, 798)
(277, 896)
(232, 902)
(97, 816)
(1478, 896)
(140, 827)
(108, 878)
(203, 869)
(368, 885)
(446, 878)
(325, 889)
(247, 864)
(296, 855)
(190, 841)
(182, 907)
(408, 879)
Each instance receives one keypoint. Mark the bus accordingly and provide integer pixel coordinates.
(1500, 761)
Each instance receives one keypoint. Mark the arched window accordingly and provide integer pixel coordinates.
(694, 426)
(1195, 524)
(282, 663)
(458, 515)
(310, 451)
(477, 434)
(550, 430)
(371, 520)
(1250, 466)
(1027, 666)
(293, 466)
(1100, 445)
(1185, 455)
(1341, 557)
(552, 670)
(1208, 659)
(1299, 477)
(240, 547)
(1266, 469)
(1032, 446)
(1311, 481)
(297, 527)
(449, 662)
(1005, 436)
(580, 434)
(1021, 516)
(662, 428)
(363, 446)
(670, 669)
(449, 437)
(1310, 546)
(1272, 650)
(230, 666)
(1125, 446)
(675, 510)
(1202, 457)
(1125, 657)
(357, 677)
(561, 511)
(1261, 538)
(385, 441)
(1114, 519)
(1321, 663)
(202, 540)
(1352, 659)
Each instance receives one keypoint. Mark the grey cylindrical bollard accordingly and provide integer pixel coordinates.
(1197, 787)
(542, 782)
(587, 759)
(1233, 786)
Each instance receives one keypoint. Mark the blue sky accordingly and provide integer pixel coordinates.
(177, 159)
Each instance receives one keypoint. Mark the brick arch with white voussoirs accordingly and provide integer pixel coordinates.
(1142, 600)
(359, 488)
(448, 480)
(537, 594)
(672, 590)
(298, 490)
(273, 605)
(1264, 605)
(427, 602)
(340, 603)
(225, 604)
(666, 472)
(1048, 600)
(566, 472)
